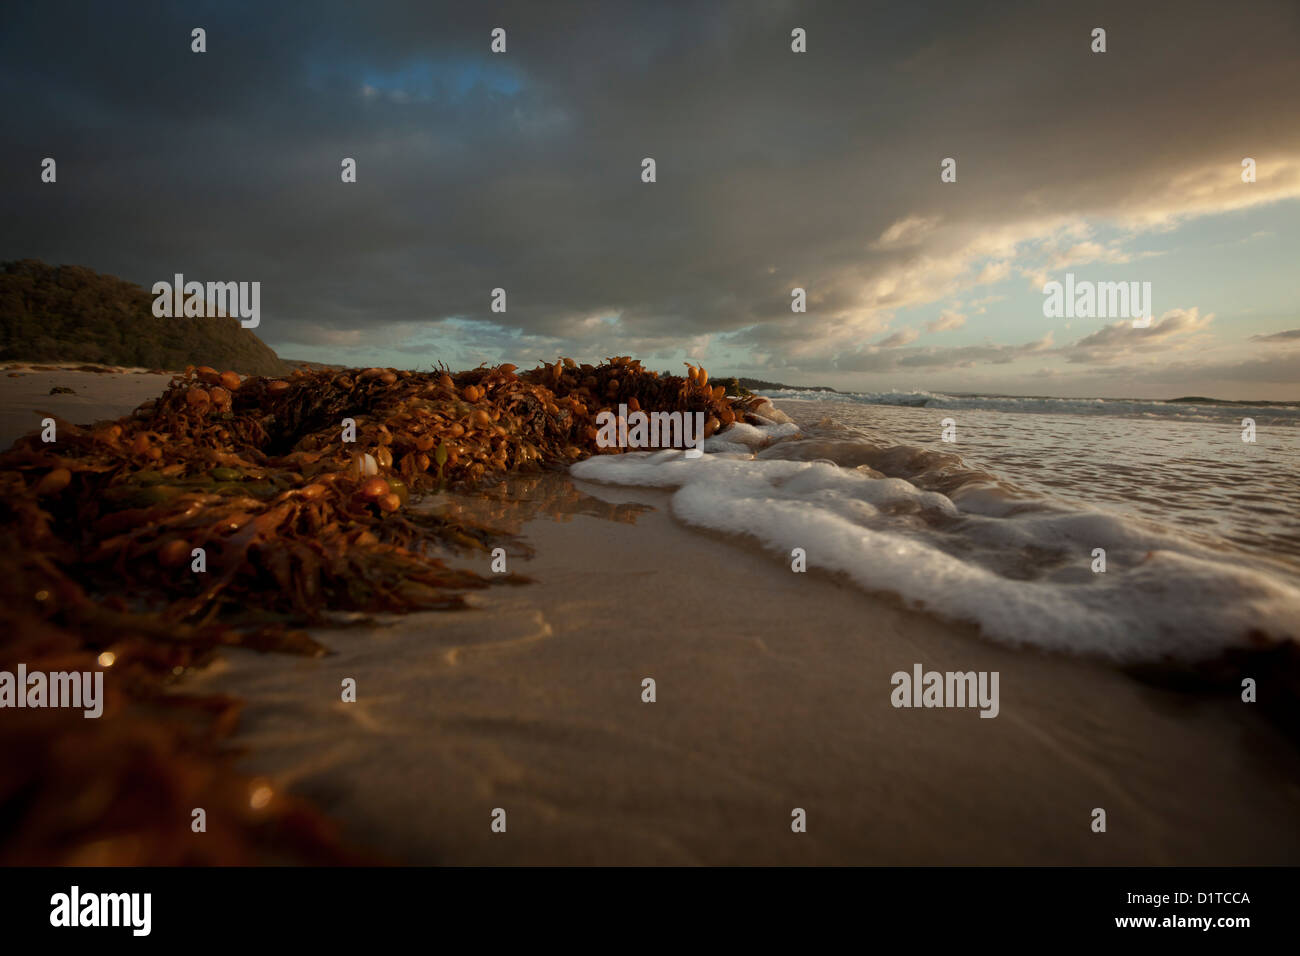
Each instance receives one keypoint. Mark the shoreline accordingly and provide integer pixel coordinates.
(530, 702)
(107, 392)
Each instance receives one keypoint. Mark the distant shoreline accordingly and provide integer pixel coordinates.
(1181, 400)
(747, 385)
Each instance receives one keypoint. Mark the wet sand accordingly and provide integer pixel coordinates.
(773, 693)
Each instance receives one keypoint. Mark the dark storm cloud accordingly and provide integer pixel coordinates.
(522, 171)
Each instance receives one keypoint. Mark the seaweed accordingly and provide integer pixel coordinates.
(234, 511)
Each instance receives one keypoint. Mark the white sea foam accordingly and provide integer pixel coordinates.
(1018, 567)
(743, 438)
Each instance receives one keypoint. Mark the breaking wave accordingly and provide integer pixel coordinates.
(967, 545)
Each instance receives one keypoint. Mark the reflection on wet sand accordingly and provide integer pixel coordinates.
(519, 499)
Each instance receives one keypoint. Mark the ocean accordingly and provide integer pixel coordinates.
(1135, 530)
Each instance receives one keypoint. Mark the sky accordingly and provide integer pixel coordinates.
(775, 170)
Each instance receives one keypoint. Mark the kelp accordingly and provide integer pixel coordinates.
(236, 511)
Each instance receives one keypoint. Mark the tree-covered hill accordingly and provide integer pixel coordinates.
(74, 314)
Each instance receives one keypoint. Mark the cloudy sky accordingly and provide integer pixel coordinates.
(775, 170)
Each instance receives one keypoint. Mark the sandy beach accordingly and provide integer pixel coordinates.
(95, 396)
(531, 702)
(773, 693)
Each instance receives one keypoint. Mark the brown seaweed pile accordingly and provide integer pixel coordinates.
(233, 511)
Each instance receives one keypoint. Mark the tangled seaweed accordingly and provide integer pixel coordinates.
(102, 530)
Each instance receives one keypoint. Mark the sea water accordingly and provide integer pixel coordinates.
(1135, 530)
